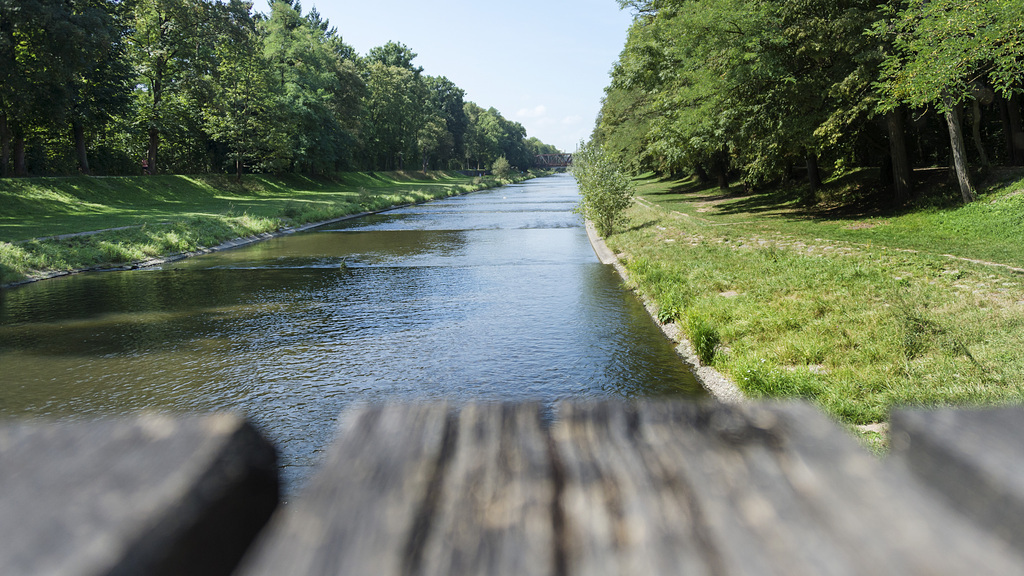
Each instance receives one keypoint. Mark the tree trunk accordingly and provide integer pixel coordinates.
(956, 141)
(976, 133)
(813, 174)
(1004, 118)
(238, 169)
(20, 166)
(722, 168)
(723, 178)
(1016, 131)
(154, 144)
(702, 174)
(902, 180)
(5, 145)
(83, 158)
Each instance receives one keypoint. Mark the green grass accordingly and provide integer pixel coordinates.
(173, 214)
(810, 302)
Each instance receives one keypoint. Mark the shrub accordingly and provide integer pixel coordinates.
(501, 168)
(606, 190)
(703, 336)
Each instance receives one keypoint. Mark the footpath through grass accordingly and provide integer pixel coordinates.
(174, 214)
(856, 309)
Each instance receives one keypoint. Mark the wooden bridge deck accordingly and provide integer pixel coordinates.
(653, 488)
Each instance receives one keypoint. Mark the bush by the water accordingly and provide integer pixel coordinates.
(605, 188)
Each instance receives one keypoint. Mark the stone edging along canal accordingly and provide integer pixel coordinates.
(722, 388)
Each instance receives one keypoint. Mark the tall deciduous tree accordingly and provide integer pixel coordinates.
(445, 101)
(245, 112)
(321, 86)
(394, 54)
(36, 52)
(942, 50)
(99, 86)
(394, 114)
(171, 45)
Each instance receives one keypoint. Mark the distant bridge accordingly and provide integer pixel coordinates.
(554, 160)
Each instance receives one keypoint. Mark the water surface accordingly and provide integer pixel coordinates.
(493, 296)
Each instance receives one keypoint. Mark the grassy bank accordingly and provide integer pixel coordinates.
(855, 308)
(163, 215)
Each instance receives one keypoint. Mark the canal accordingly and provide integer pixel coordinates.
(492, 296)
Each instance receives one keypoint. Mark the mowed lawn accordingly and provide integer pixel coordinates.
(38, 207)
(855, 307)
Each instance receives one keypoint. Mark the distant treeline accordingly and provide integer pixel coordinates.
(201, 86)
(764, 89)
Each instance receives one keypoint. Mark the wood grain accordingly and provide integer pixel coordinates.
(973, 458)
(151, 495)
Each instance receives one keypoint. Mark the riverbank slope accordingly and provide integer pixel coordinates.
(54, 226)
(855, 308)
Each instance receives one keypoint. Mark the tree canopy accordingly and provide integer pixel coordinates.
(193, 86)
(763, 90)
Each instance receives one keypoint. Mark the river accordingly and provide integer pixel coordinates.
(492, 296)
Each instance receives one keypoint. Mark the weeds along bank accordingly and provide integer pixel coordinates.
(142, 218)
(839, 310)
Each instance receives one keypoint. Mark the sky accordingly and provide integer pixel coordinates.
(543, 64)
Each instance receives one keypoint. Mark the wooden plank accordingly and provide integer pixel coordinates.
(974, 458)
(621, 515)
(368, 509)
(495, 510)
(653, 488)
(669, 487)
(152, 495)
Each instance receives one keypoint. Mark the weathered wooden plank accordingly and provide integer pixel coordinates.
(975, 458)
(615, 488)
(494, 513)
(748, 490)
(152, 495)
(620, 514)
(368, 509)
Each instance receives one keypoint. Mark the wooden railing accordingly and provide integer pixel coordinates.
(655, 487)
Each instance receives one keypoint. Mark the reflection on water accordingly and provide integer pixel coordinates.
(491, 296)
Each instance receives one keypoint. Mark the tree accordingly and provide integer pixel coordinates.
(36, 52)
(171, 45)
(321, 88)
(245, 112)
(606, 191)
(100, 76)
(942, 51)
(478, 149)
(394, 115)
(445, 101)
(394, 54)
(434, 140)
(537, 147)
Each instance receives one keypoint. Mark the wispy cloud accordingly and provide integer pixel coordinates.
(535, 112)
(570, 120)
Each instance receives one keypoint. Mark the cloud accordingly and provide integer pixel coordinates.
(570, 120)
(535, 112)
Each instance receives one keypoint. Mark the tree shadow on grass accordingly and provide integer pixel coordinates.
(639, 227)
(854, 196)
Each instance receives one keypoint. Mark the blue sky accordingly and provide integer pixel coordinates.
(541, 63)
